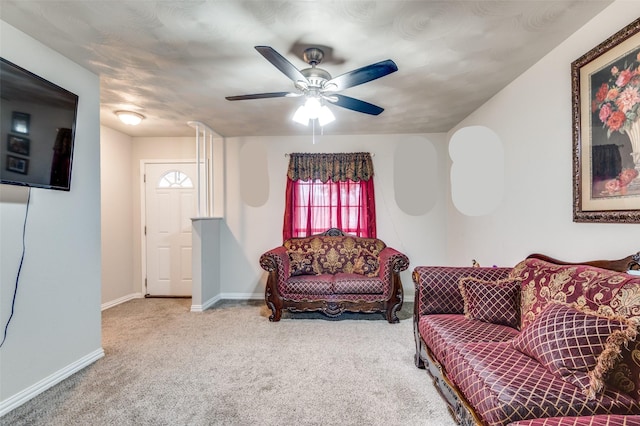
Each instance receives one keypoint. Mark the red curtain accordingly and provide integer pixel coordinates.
(313, 207)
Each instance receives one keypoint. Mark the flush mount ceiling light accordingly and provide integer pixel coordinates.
(129, 117)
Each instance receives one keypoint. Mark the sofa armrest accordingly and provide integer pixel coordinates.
(437, 291)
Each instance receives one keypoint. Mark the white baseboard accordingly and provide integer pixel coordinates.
(242, 296)
(32, 391)
(122, 299)
(226, 296)
(206, 305)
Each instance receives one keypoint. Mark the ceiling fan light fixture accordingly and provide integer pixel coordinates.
(129, 117)
(301, 116)
(313, 106)
(325, 116)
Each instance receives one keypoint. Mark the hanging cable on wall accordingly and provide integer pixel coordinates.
(15, 289)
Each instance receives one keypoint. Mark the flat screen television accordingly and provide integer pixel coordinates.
(37, 130)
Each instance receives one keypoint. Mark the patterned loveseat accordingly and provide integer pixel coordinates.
(546, 343)
(334, 272)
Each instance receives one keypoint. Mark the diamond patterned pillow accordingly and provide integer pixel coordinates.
(496, 302)
(578, 346)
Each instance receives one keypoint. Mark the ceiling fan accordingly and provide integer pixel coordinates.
(318, 85)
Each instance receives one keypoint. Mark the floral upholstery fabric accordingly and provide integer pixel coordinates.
(570, 342)
(302, 264)
(339, 254)
(600, 420)
(606, 292)
(505, 385)
(438, 292)
(497, 302)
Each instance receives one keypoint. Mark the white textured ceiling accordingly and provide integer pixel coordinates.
(175, 61)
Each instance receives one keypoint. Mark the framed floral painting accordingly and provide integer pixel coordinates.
(606, 130)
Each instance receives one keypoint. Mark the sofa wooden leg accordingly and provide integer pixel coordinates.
(418, 361)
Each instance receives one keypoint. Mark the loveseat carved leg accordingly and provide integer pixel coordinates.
(392, 313)
(276, 314)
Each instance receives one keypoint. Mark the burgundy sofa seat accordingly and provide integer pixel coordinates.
(599, 420)
(334, 272)
(443, 333)
(505, 385)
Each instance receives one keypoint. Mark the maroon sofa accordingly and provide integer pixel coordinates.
(334, 272)
(546, 343)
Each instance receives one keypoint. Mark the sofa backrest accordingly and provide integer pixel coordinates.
(333, 254)
(601, 290)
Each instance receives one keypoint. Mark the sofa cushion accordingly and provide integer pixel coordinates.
(302, 263)
(604, 291)
(625, 374)
(441, 332)
(575, 345)
(439, 291)
(491, 301)
(309, 284)
(599, 420)
(505, 385)
(366, 264)
(355, 283)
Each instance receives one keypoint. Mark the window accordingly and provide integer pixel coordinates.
(314, 205)
(175, 179)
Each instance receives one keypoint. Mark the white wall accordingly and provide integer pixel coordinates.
(56, 325)
(249, 231)
(532, 116)
(117, 217)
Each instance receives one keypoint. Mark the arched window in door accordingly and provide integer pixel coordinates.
(175, 179)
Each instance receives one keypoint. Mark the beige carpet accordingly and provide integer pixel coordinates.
(229, 365)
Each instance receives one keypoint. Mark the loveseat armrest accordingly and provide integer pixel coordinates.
(391, 260)
(276, 260)
(437, 291)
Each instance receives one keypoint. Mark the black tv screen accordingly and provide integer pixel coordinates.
(37, 127)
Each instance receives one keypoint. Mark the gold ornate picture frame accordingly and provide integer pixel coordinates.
(605, 86)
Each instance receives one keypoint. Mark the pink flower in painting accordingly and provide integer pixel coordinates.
(627, 99)
(618, 100)
(626, 176)
(605, 112)
(624, 78)
(612, 186)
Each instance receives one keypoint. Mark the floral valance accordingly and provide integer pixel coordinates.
(353, 166)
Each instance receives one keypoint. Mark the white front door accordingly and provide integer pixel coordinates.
(170, 203)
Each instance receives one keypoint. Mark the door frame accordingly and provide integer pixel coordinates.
(143, 214)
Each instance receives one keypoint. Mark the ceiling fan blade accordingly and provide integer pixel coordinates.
(262, 96)
(354, 104)
(282, 64)
(361, 75)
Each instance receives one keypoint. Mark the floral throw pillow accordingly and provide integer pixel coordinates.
(366, 264)
(302, 264)
(576, 345)
(496, 302)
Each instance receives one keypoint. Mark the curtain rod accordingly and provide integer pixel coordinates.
(372, 154)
